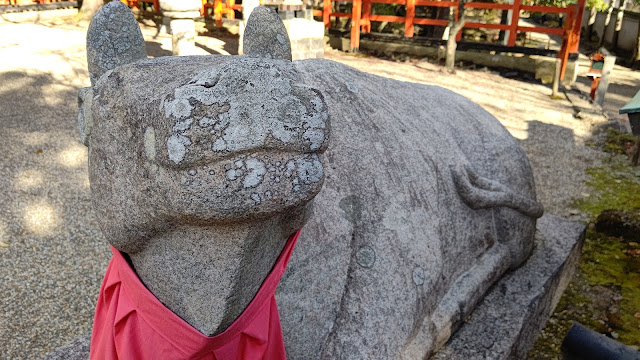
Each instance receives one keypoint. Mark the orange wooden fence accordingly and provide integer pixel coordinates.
(361, 17)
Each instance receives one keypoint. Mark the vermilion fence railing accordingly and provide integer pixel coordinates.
(361, 17)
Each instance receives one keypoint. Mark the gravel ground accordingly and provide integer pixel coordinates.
(52, 254)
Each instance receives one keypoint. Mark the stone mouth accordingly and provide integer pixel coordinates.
(231, 156)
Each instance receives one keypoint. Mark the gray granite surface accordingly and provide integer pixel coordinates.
(506, 323)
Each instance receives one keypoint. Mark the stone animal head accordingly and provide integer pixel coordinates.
(223, 139)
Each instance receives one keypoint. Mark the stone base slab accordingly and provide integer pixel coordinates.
(506, 323)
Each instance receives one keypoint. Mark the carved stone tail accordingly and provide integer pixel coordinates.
(266, 36)
(113, 39)
(480, 193)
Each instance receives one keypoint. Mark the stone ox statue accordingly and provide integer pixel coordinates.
(201, 167)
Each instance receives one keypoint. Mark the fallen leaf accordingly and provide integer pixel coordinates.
(637, 315)
(633, 243)
(4, 244)
(39, 151)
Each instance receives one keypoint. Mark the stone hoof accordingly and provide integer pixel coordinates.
(481, 193)
(113, 39)
(265, 35)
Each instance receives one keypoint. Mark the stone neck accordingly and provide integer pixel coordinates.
(208, 275)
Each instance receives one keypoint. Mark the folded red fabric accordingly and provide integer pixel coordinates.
(131, 323)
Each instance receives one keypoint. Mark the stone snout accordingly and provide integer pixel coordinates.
(239, 141)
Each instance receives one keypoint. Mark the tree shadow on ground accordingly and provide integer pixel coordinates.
(155, 49)
(55, 254)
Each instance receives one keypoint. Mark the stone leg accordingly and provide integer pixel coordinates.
(183, 32)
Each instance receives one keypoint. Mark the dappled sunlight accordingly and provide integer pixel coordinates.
(40, 217)
(28, 179)
(73, 156)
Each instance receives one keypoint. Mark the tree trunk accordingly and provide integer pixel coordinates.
(635, 58)
(592, 20)
(607, 20)
(455, 27)
(619, 19)
(89, 8)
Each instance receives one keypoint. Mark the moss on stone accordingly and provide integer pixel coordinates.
(604, 295)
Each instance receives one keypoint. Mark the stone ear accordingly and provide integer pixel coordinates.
(265, 35)
(113, 39)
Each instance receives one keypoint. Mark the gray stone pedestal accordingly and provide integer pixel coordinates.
(507, 322)
(180, 15)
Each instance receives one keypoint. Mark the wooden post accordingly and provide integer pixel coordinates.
(515, 17)
(567, 38)
(577, 27)
(609, 62)
(229, 9)
(326, 11)
(217, 12)
(457, 17)
(408, 19)
(556, 80)
(366, 13)
(356, 11)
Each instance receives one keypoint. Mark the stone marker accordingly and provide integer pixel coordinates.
(201, 166)
(181, 15)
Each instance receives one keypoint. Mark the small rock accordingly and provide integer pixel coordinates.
(4, 244)
(614, 335)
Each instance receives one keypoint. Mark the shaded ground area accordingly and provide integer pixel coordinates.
(52, 254)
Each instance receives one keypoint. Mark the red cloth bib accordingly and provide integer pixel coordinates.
(131, 323)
